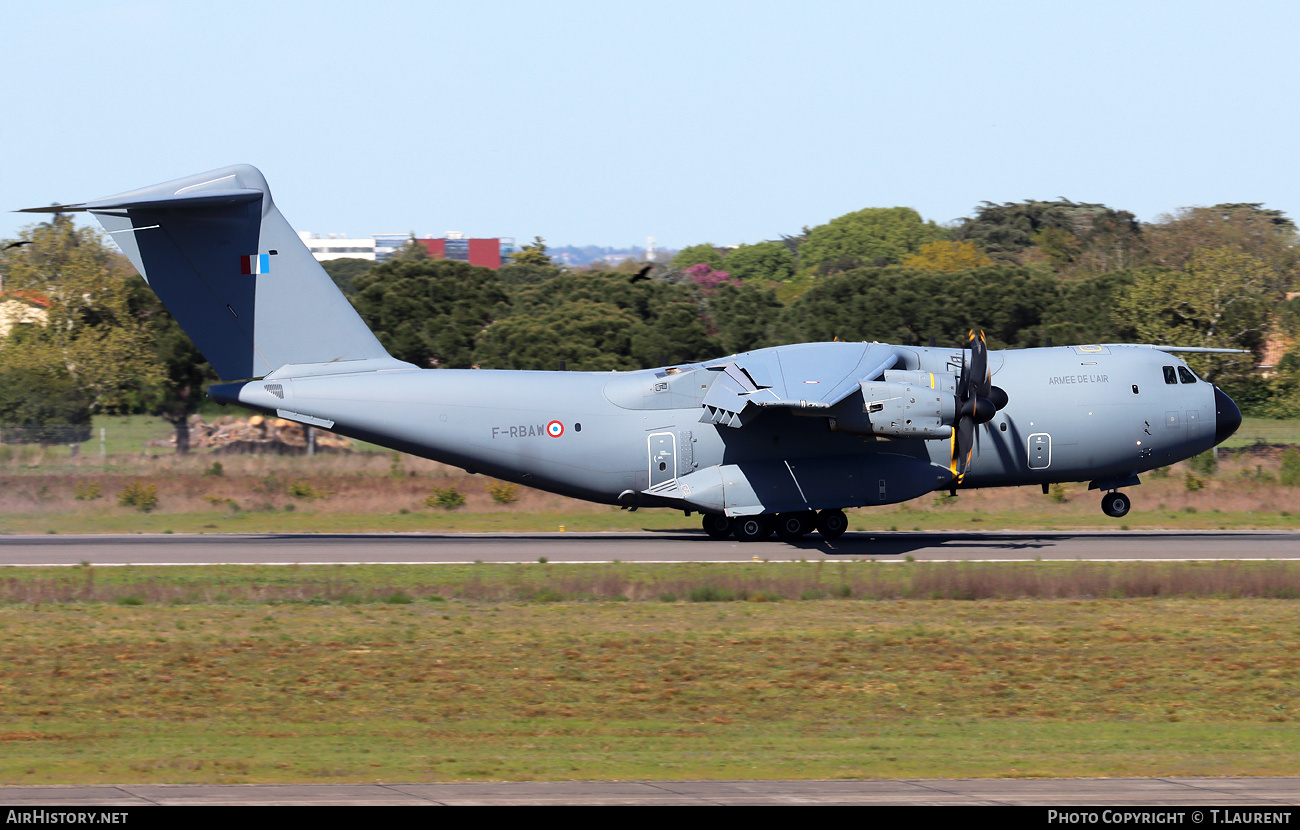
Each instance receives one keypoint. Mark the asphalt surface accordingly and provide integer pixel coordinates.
(646, 546)
(1273, 794)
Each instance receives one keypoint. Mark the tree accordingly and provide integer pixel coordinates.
(412, 250)
(585, 336)
(895, 305)
(1073, 237)
(534, 254)
(770, 261)
(660, 324)
(186, 371)
(92, 331)
(517, 274)
(40, 404)
(1220, 300)
(1267, 235)
(745, 317)
(429, 312)
(345, 270)
(945, 255)
(705, 253)
(873, 236)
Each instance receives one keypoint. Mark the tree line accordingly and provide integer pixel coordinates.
(1027, 273)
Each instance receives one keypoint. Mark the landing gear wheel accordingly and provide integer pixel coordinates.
(791, 527)
(831, 524)
(717, 526)
(1115, 505)
(752, 528)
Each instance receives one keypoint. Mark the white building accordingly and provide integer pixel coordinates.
(338, 246)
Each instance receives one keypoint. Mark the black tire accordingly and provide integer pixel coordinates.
(717, 526)
(1116, 505)
(752, 528)
(791, 527)
(831, 524)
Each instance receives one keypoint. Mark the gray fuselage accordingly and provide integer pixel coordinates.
(638, 438)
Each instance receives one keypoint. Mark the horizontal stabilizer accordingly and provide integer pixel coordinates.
(173, 202)
(1180, 349)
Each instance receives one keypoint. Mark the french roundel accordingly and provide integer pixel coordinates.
(555, 429)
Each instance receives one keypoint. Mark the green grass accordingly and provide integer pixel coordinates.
(113, 519)
(1265, 431)
(238, 690)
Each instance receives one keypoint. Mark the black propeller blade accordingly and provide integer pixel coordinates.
(978, 400)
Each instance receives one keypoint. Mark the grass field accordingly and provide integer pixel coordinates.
(607, 672)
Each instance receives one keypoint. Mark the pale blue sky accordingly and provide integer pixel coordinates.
(602, 123)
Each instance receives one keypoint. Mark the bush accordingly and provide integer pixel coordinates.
(86, 491)
(302, 489)
(1290, 473)
(1205, 464)
(1057, 493)
(710, 593)
(503, 492)
(448, 499)
(143, 497)
(1192, 482)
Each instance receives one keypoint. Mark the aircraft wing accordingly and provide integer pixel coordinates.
(814, 376)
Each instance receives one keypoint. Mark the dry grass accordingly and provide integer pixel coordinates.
(385, 491)
(757, 582)
(563, 690)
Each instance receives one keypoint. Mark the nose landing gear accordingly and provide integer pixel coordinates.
(1115, 505)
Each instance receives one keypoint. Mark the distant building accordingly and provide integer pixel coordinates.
(338, 246)
(380, 247)
(17, 307)
(489, 253)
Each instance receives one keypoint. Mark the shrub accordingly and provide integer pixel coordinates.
(1192, 482)
(1057, 493)
(1205, 464)
(448, 499)
(711, 593)
(1290, 473)
(503, 492)
(87, 491)
(215, 470)
(399, 598)
(143, 497)
(302, 489)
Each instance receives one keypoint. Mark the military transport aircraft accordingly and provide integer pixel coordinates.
(779, 439)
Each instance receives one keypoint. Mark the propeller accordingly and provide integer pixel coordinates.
(978, 400)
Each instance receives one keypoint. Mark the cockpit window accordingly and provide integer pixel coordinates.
(1186, 375)
(1170, 377)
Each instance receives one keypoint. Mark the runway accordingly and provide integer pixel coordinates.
(1272, 794)
(646, 546)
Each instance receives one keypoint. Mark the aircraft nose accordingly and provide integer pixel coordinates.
(1227, 415)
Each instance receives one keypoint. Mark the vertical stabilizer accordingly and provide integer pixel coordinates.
(234, 274)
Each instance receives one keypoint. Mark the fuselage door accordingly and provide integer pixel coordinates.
(1040, 451)
(663, 458)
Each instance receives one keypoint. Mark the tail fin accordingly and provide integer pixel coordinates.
(235, 276)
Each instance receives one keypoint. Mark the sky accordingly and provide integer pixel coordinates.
(607, 122)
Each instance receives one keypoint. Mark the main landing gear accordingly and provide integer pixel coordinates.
(789, 527)
(1115, 504)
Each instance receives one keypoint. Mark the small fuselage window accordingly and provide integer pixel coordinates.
(1186, 375)
(1170, 377)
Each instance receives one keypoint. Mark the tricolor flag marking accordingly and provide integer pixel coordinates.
(255, 264)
